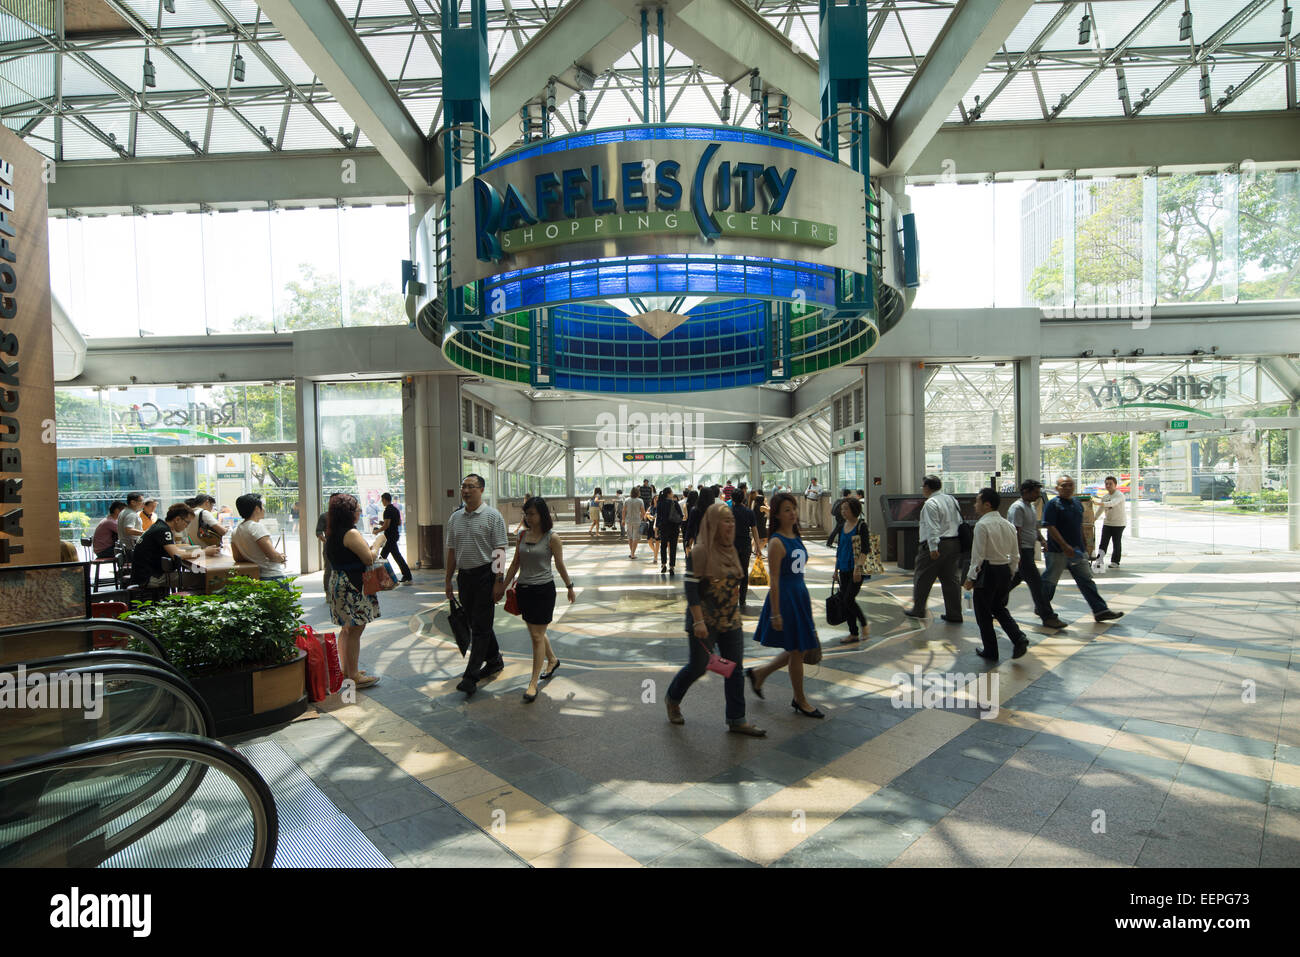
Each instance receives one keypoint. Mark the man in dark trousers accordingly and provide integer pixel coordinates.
(1063, 519)
(994, 558)
(392, 529)
(939, 552)
(476, 550)
(1025, 519)
(746, 536)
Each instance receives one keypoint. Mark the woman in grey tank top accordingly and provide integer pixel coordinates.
(537, 548)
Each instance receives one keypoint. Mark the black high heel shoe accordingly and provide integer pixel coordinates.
(749, 673)
(545, 675)
(529, 698)
(814, 713)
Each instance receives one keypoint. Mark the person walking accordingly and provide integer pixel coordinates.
(713, 620)
(706, 498)
(633, 516)
(938, 553)
(350, 607)
(994, 557)
(593, 511)
(857, 557)
(837, 518)
(668, 528)
(537, 548)
(1024, 518)
(758, 505)
(476, 547)
(1063, 519)
(392, 530)
(619, 502)
(1114, 518)
(746, 539)
(786, 621)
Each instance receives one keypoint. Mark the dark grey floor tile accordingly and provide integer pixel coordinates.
(742, 787)
(699, 808)
(933, 787)
(403, 801)
(816, 852)
(1086, 714)
(969, 746)
(518, 765)
(1288, 754)
(782, 766)
(1159, 729)
(905, 811)
(999, 733)
(1234, 743)
(1081, 751)
(472, 850)
(1163, 851)
(958, 766)
(1284, 796)
(427, 830)
(701, 853)
(647, 836)
(1225, 782)
(813, 748)
(847, 733)
(596, 809)
(552, 784)
(1144, 764)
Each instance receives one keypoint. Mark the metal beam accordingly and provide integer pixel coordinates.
(1122, 144)
(322, 36)
(246, 178)
(970, 39)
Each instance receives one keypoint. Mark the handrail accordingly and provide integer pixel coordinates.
(104, 657)
(90, 624)
(187, 747)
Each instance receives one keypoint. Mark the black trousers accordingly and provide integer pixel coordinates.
(745, 557)
(475, 586)
(1111, 533)
(990, 601)
(1028, 574)
(391, 548)
(668, 535)
(943, 568)
(849, 589)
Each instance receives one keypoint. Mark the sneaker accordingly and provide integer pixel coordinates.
(1054, 622)
(1108, 615)
(674, 711)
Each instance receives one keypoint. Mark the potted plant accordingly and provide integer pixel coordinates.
(237, 647)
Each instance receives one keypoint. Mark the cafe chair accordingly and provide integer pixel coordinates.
(99, 564)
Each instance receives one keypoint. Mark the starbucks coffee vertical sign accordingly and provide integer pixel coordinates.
(29, 505)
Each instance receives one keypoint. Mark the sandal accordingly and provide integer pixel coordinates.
(749, 673)
(364, 680)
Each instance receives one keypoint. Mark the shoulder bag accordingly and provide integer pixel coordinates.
(378, 577)
(835, 612)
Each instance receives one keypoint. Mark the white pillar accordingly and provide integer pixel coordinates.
(1134, 480)
(1293, 484)
(309, 487)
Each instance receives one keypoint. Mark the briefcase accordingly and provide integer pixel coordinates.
(458, 618)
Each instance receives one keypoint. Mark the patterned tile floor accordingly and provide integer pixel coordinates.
(1168, 738)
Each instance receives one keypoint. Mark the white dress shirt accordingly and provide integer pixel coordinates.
(1116, 515)
(940, 517)
(996, 542)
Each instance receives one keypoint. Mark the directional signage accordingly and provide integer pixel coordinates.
(141, 450)
(658, 456)
(1178, 423)
(970, 458)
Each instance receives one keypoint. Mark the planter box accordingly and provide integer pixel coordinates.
(256, 697)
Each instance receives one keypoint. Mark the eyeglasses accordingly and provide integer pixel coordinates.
(470, 485)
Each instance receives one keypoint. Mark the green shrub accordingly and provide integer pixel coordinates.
(246, 623)
(1269, 500)
(79, 521)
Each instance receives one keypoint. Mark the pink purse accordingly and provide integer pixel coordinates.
(718, 664)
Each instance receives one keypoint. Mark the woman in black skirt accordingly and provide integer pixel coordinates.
(536, 550)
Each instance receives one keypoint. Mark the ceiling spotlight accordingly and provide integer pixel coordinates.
(582, 108)
(1085, 29)
(169, 5)
(1123, 87)
(550, 95)
(150, 76)
(1205, 86)
(1085, 354)
(726, 105)
(1185, 22)
(1138, 352)
(1286, 20)
(239, 68)
(584, 78)
(755, 87)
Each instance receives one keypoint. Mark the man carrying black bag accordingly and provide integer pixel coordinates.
(476, 549)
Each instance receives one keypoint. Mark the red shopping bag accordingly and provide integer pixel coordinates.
(317, 674)
(327, 677)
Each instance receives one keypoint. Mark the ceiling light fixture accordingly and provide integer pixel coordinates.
(755, 87)
(239, 67)
(582, 108)
(1123, 87)
(550, 95)
(1205, 86)
(150, 75)
(1185, 22)
(726, 105)
(1085, 29)
(169, 5)
(1286, 20)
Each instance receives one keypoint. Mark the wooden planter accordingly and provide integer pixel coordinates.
(256, 697)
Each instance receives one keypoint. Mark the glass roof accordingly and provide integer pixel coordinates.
(1131, 63)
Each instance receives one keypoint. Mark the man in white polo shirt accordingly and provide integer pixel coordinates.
(476, 548)
(1114, 518)
(129, 526)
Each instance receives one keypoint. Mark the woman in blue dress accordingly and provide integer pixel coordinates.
(787, 620)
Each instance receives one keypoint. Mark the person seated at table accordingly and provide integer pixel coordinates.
(147, 516)
(203, 523)
(160, 540)
(252, 541)
(104, 541)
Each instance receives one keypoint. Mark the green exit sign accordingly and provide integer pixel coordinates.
(1178, 423)
(141, 450)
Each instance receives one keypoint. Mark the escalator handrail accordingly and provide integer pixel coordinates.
(171, 745)
(106, 656)
(148, 673)
(90, 624)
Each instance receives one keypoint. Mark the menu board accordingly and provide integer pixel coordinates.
(36, 594)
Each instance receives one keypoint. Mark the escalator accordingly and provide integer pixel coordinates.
(107, 760)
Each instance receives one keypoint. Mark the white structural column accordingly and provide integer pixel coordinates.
(309, 485)
(895, 434)
(1134, 484)
(1293, 482)
(436, 411)
(755, 467)
(570, 481)
(1028, 420)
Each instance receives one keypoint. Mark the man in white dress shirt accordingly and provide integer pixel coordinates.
(938, 554)
(1114, 518)
(994, 559)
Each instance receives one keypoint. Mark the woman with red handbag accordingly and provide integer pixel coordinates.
(350, 607)
(713, 576)
(534, 596)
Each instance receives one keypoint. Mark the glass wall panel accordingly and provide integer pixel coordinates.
(1269, 213)
(169, 251)
(957, 256)
(1192, 210)
(968, 406)
(305, 269)
(103, 289)
(1108, 242)
(361, 445)
(374, 240)
(237, 270)
(1031, 218)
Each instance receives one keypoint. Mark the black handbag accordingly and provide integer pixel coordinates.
(965, 537)
(458, 617)
(836, 614)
